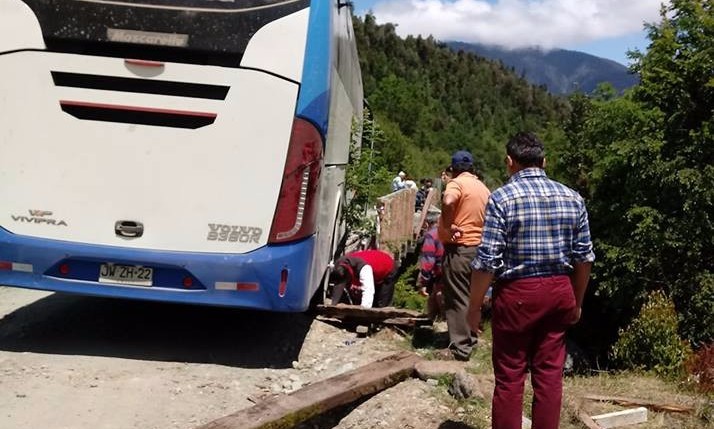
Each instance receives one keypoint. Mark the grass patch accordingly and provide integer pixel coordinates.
(481, 362)
(633, 384)
(641, 385)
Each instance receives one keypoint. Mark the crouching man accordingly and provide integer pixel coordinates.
(367, 276)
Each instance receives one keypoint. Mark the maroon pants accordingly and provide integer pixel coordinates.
(530, 317)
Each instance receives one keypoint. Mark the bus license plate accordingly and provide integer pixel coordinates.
(126, 274)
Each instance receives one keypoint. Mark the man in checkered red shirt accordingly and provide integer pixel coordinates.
(536, 244)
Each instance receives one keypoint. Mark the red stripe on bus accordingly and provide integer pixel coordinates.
(137, 109)
(143, 63)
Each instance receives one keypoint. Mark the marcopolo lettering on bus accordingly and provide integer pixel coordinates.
(234, 233)
(147, 37)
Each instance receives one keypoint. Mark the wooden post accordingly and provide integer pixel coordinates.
(286, 411)
(628, 402)
(344, 311)
(622, 418)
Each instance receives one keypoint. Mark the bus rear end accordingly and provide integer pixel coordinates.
(153, 149)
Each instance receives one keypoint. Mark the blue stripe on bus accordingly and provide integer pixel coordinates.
(262, 266)
(314, 99)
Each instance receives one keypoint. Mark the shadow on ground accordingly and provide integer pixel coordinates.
(450, 424)
(76, 325)
(332, 419)
(425, 337)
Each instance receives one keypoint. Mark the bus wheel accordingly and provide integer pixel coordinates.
(320, 296)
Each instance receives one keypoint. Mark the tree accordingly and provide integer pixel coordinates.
(678, 80)
(366, 178)
(647, 160)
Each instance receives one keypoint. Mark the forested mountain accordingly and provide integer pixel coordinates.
(430, 101)
(644, 162)
(559, 70)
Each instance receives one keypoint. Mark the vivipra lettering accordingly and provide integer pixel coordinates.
(39, 217)
(234, 233)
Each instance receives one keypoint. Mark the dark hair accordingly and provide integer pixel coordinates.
(526, 149)
(340, 274)
(462, 167)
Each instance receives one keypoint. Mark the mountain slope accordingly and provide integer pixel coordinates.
(561, 71)
(430, 101)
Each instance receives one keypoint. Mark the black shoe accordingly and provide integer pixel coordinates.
(448, 354)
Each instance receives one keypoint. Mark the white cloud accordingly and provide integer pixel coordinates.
(519, 23)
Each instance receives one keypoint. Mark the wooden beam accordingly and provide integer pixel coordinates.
(588, 421)
(633, 402)
(431, 197)
(407, 322)
(622, 418)
(286, 411)
(345, 311)
(585, 419)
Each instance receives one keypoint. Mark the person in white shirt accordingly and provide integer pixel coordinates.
(367, 276)
(398, 182)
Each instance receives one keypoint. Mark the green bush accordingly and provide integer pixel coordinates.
(651, 341)
(405, 294)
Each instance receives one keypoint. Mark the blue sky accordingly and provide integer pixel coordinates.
(606, 28)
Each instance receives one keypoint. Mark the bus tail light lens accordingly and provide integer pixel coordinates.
(296, 209)
(64, 269)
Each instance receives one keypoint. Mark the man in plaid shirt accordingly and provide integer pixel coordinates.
(536, 243)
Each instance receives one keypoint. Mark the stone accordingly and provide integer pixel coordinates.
(362, 331)
(464, 386)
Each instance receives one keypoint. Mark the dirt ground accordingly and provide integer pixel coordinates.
(71, 362)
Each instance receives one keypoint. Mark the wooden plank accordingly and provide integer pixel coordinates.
(526, 423)
(396, 219)
(286, 411)
(431, 198)
(342, 311)
(407, 322)
(633, 402)
(588, 421)
(585, 419)
(622, 418)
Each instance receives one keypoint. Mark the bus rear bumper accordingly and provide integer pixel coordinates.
(273, 277)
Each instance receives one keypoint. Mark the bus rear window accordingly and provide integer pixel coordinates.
(193, 31)
(220, 5)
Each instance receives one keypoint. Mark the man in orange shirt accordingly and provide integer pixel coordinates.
(462, 217)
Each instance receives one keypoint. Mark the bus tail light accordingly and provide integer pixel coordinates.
(296, 209)
(64, 269)
(283, 283)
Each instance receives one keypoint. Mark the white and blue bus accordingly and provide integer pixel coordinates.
(187, 151)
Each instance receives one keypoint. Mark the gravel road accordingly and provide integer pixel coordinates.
(72, 362)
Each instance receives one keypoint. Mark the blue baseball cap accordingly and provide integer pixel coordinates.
(462, 157)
